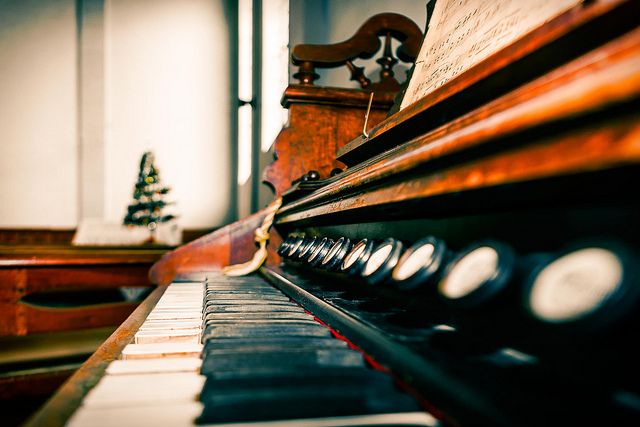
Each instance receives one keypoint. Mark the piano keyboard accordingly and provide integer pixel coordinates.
(238, 351)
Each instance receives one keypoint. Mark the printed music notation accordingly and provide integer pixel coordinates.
(462, 33)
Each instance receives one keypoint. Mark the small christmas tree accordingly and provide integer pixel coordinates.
(148, 195)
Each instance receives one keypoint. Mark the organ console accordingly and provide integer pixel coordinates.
(475, 262)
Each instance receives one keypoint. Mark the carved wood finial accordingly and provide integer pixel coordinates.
(357, 74)
(387, 79)
(364, 44)
(306, 73)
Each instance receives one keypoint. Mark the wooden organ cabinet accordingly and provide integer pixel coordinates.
(476, 248)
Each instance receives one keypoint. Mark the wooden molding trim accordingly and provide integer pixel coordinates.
(63, 237)
(36, 236)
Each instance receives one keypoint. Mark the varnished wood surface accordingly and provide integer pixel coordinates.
(337, 97)
(58, 409)
(534, 131)
(62, 238)
(311, 139)
(21, 318)
(565, 37)
(36, 236)
(18, 256)
(27, 271)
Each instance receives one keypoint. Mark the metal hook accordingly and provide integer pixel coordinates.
(366, 117)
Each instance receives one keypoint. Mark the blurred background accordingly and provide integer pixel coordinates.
(87, 86)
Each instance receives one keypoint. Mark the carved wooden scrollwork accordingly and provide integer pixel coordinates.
(364, 44)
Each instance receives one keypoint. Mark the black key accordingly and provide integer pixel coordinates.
(236, 290)
(241, 321)
(191, 277)
(243, 294)
(303, 401)
(366, 378)
(242, 288)
(273, 343)
(282, 372)
(210, 302)
(280, 359)
(221, 296)
(239, 285)
(263, 329)
(229, 294)
(259, 308)
(213, 331)
(229, 279)
(257, 316)
(241, 302)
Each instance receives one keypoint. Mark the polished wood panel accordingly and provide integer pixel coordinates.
(18, 256)
(61, 238)
(321, 120)
(36, 236)
(27, 272)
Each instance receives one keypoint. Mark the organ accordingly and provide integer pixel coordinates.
(478, 247)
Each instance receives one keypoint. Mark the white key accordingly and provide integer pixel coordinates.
(166, 415)
(141, 389)
(154, 366)
(154, 351)
(151, 325)
(167, 336)
(174, 315)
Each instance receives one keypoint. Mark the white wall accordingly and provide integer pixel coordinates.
(167, 90)
(38, 114)
(81, 100)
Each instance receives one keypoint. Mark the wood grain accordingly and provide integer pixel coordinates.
(546, 113)
(560, 40)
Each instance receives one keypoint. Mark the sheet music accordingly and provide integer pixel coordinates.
(462, 33)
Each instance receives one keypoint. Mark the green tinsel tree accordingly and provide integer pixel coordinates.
(148, 195)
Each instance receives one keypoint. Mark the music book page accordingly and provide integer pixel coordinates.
(462, 33)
